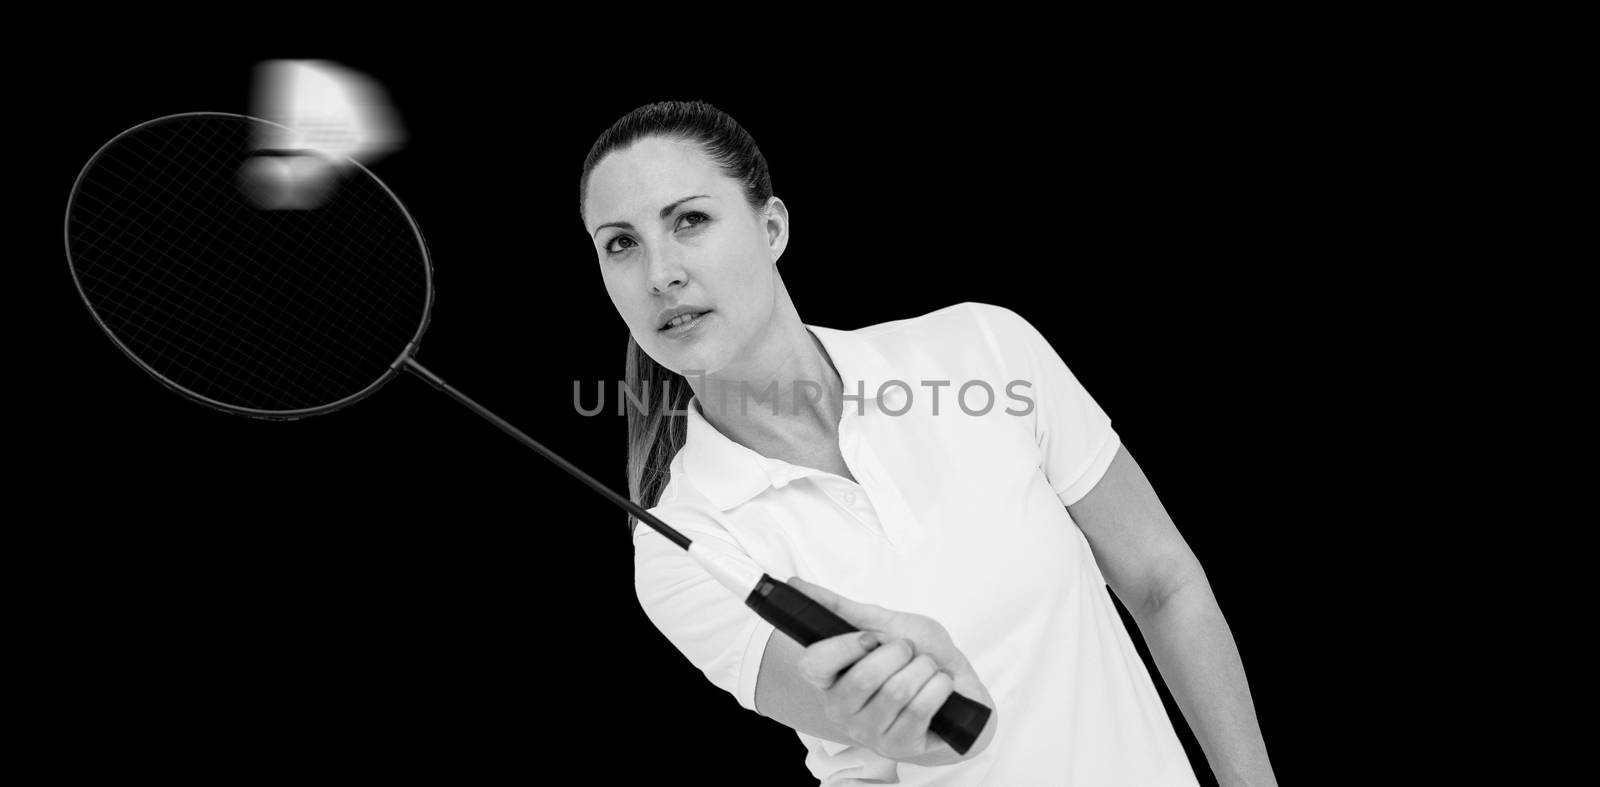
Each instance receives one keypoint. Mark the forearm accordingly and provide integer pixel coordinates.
(1195, 651)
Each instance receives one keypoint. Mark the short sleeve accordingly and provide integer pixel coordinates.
(1074, 435)
(706, 622)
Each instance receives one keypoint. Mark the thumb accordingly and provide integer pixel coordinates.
(857, 614)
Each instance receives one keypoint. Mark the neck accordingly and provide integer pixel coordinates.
(789, 393)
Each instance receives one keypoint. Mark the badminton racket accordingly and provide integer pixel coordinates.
(285, 284)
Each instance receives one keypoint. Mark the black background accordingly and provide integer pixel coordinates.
(399, 589)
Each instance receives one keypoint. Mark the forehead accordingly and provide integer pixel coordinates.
(633, 183)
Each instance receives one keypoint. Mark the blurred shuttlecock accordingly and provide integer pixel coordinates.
(328, 116)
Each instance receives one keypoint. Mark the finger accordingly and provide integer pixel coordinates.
(858, 684)
(899, 690)
(914, 718)
(860, 615)
(823, 661)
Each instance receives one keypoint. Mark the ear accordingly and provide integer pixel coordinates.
(775, 220)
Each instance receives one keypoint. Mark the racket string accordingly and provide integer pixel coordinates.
(269, 310)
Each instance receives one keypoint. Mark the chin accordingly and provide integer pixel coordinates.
(680, 360)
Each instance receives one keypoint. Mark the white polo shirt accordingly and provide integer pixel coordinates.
(956, 513)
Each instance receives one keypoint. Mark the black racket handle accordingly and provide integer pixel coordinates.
(959, 721)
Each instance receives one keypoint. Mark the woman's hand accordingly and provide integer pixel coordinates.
(884, 683)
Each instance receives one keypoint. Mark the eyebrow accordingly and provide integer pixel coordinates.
(665, 212)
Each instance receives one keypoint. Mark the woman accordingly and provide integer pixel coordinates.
(969, 535)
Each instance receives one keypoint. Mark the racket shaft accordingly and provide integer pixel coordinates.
(959, 721)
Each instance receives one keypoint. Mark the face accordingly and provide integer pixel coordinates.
(671, 229)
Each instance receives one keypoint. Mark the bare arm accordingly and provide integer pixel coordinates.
(1156, 576)
(783, 695)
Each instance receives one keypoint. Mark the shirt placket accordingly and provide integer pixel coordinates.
(874, 499)
(849, 496)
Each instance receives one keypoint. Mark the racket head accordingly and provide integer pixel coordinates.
(268, 312)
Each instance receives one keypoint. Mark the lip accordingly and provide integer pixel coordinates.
(687, 328)
(667, 315)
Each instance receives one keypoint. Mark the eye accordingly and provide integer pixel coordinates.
(693, 218)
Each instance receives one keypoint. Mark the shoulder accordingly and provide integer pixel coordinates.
(1012, 338)
(955, 318)
(968, 338)
(1000, 321)
(958, 323)
(967, 333)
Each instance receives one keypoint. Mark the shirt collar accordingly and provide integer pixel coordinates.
(728, 473)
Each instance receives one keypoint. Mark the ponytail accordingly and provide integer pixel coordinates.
(654, 436)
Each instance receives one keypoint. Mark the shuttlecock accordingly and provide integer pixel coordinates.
(324, 118)
(295, 182)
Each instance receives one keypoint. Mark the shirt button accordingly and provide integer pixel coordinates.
(850, 498)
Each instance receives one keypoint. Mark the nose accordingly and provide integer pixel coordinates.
(666, 271)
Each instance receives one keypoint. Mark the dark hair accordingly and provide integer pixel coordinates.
(653, 437)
